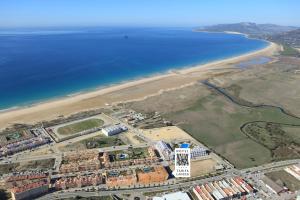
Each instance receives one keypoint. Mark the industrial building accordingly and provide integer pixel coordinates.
(294, 170)
(113, 130)
(273, 186)
(223, 189)
(174, 196)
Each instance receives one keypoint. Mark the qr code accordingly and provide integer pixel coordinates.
(182, 159)
(182, 162)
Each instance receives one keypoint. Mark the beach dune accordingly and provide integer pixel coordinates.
(133, 90)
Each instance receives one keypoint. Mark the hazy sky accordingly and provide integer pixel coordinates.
(23, 13)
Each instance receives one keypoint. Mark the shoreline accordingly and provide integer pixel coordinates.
(31, 113)
(151, 76)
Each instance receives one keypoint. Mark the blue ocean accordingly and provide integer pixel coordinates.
(38, 65)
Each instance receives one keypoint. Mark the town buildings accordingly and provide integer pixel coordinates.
(27, 186)
(23, 145)
(164, 150)
(143, 176)
(78, 181)
(87, 160)
(107, 162)
(120, 178)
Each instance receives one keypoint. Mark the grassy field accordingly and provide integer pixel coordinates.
(284, 179)
(213, 119)
(284, 144)
(216, 122)
(80, 126)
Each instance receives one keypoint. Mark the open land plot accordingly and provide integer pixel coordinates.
(131, 138)
(201, 167)
(168, 134)
(25, 166)
(98, 141)
(284, 179)
(215, 121)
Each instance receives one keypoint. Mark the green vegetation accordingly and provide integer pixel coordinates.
(94, 142)
(25, 166)
(289, 51)
(271, 135)
(80, 126)
(284, 179)
(13, 136)
(102, 141)
(136, 153)
(216, 121)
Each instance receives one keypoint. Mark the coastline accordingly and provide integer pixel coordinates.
(119, 92)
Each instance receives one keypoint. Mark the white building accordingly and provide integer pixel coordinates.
(198, 151)
(174, 196)
(164, 150)
(113, 130)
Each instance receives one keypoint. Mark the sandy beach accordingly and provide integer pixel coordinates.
(128, 91)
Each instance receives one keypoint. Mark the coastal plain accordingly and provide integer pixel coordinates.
(236, 116)
(134, 90)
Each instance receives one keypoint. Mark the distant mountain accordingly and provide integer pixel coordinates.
(291, 38)
(249, 28)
